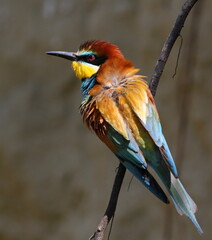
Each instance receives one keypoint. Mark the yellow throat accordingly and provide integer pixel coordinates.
(84, 70)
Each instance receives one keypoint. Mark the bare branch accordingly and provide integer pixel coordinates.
(167, 47)
(111, 208)
(110, 211)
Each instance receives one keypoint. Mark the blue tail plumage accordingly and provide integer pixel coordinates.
(147, 179)
(183, 202)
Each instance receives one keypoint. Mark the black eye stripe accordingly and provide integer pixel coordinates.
(98, 60)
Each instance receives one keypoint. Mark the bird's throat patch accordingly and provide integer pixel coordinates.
(84, 70)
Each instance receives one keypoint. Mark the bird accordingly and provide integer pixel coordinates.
(117, 105)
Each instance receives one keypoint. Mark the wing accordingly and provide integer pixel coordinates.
(118, 132)
(118, 106)
(118, 137)
(142, 102)
(131, 157)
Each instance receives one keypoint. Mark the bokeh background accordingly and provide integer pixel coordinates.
(55, 175)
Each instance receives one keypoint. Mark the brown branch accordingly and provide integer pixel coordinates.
(167, 47)
(186, 83)
(111, 208)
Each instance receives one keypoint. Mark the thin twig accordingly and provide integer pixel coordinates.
(128, 189)
(178, 56)
(110, 211)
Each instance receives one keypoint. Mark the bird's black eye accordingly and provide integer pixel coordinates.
(91, 57)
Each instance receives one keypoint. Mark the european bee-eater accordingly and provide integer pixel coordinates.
(119, 107)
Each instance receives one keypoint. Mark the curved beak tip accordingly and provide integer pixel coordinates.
(49, 53)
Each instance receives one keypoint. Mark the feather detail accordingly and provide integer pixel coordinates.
(110, 112)
(143, 105)
(147, 179)
(103, 48)
(183, 202)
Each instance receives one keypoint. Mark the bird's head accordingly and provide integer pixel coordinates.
(90, 57)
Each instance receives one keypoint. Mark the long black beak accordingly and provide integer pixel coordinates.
(67, 55)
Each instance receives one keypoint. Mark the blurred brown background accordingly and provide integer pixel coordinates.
(55, 175)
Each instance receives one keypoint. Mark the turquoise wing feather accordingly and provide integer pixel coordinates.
(131, 157)
(119, 138)
(141, 101)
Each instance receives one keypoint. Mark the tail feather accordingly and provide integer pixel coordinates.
(183, 202)
(147, 179)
